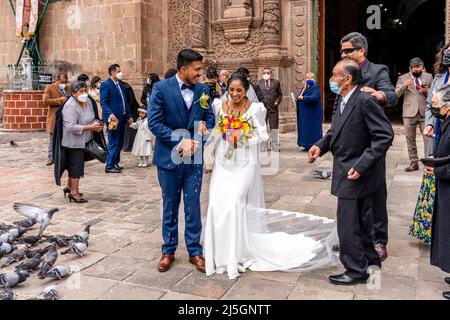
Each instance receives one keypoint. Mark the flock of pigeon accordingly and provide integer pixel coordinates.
(19, 249)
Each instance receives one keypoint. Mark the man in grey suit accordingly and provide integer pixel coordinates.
(272, 97)
(376, 82)
(359, 137)
(414, 86)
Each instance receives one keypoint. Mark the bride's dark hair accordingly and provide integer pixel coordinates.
(241, 77)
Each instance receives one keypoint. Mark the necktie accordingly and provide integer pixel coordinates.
(267, 83)
(121, 95)
(416, 80)
(188, 87)
(342, 106)
(63, 92)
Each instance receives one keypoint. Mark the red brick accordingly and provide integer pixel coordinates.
(25, 112)
(25, 97)
(31, 119)
(37, 112)
(37, 97)
(42, 119)
(7, 112)
(36, 126)
(14, 97)
(14, 126)
(14, 112)
(6, 97)
(6, 119)
(20, 104)
(19, 119)
(10, 104)
(25, 126)
(32, 104)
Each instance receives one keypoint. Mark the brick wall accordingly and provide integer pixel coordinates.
(24, 111)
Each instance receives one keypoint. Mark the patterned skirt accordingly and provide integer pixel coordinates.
(421, 223)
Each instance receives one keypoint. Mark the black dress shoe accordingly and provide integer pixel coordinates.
(118, 167)
(446, 295)
(447, 280)
(113, 171)
(345, 280)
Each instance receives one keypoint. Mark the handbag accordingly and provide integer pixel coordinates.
(96, 151)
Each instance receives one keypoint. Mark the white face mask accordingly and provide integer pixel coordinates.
(62, 86)
(266, 77)
(83, 97)
(119, 76)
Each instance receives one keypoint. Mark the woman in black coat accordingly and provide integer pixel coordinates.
(151, 80)
(130, 133)
(440, 240)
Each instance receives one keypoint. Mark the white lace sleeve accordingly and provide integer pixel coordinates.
(259, 121)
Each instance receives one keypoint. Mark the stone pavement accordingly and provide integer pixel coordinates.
(125, 242)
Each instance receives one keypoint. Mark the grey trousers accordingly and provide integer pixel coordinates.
(410, 129)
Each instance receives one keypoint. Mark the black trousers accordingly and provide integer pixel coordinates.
(354, 224)
(380, 215)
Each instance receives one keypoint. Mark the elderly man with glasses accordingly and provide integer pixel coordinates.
(376, 82)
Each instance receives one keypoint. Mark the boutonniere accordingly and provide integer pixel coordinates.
(204, 101)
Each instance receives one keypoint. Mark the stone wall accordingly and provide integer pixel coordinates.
(24, 111)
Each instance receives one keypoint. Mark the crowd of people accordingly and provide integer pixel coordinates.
(104, 115)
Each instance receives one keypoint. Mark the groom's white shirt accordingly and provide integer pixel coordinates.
(188, 95)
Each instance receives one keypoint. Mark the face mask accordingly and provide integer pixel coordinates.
(417, 74)
(83, 97)
(437, 113)
(446, 59)
(119, 76)
(310, 82)
(62, 86)
(266, 77)
(335, 87)
(99, 85)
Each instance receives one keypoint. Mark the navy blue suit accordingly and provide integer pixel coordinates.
(170, 120)
(309, 117)
(112, 103)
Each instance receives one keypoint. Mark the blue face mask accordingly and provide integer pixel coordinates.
(335, 87)
(310, 82)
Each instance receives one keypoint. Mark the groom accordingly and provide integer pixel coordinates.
(359, 138)
(174, 115)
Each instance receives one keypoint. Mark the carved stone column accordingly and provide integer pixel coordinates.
(198, 25)
(271, 27)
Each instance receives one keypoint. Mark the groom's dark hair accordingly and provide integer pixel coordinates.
(187, 57)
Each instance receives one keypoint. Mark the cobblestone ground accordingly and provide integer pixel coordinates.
(125, 242)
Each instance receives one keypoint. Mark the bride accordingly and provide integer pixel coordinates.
(240, 233)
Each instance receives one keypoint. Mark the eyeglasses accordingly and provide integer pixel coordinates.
(349, 50)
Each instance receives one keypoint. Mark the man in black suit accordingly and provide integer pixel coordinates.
(376, 82)
(359, 138)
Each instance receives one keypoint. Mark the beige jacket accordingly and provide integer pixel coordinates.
(414, 103)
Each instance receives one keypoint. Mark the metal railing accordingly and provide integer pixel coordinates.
(28, 77)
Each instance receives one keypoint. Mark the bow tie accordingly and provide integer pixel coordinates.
(189, 87)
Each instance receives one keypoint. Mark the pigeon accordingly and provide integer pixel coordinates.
(6, 248)
(59, 272)
(6, 238)
(31, 264)
(32, 240)
(49, 260)
(31, 253)
(84, 235)
(51, 293)
(322, 174)
(39, 214)
(5, 227)
(16, 256)
(12, 279)
(7, 295)
(61, 241)
(78, 248)
(27, 223)
(13, 144)
(17, 232)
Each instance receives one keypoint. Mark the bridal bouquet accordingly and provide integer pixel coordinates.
(236, 128)
(113, 122)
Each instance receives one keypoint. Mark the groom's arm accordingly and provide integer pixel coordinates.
(156, 119)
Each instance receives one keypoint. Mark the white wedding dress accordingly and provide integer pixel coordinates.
(241, 234)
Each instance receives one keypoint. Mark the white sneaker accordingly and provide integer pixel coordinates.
(144, 165)
(140, 164)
